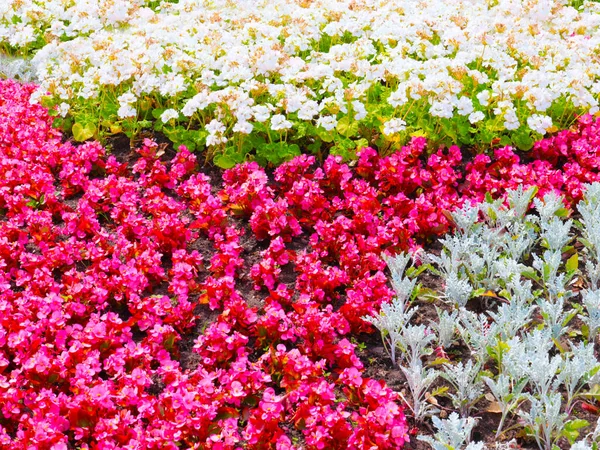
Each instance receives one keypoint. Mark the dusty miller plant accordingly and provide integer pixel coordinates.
(544, 419)
(452, 434)
(467, 384)
(17, 68)
(589, 208)
(507, 392)
(419, 380)
(415, 341)
(514, 315)
(591, 301)
(394, 316)
(530, 357)
(578, 368)
(477, 332)
(445, 327)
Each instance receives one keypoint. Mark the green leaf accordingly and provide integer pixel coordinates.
(585, 330)
(570, 431)
(572, 263)
(224, 161)
(427, 295)
(83, 132)
(326, 136)
(347, 127)
(523, 140)
(531, 274)
(157, 112)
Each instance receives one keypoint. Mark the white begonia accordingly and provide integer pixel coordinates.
(540, 98)
(173, 86)
(398, 97)
(484, 98)
(443, 109)
(279, 122)
(393, 126)
(63, 109)
(511, 121)
(327, 122)
(127, 98)
(168, 114)
(476, 116)
(539, 123)
(464, 106)
(197, 103)
(261, 113)
(308, 110)
(294, 103)
(360, 111)
(243, 127)
(215, 133)
(126, 111)
(215, 127)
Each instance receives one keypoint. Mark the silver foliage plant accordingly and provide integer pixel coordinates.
(589, 208)
(394, 317)
(453, 433)
(413, 341)
(467, 384)
(591, 301)
(490, 254)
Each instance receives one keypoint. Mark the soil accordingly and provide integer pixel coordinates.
(371, 350)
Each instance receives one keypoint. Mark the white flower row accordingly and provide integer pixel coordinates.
(316, 59)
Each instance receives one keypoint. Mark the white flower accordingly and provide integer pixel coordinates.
(261, 113)
(173, 86)
(168, 114)
(484, 98)
(126, 111)
(215, 127)
(63, 109)
(308, 110)
(279, 122)
(213, 139)
(511, 121)
(327, 122)
(464, 106)
(476, 116)
(537, 52)
(393, 126)
(243, 127)
(359, 110)
(398, 97)
(127, 98)
(539, 123)
(441, 109)
(197, 102)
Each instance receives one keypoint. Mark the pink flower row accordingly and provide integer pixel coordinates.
(103, 291)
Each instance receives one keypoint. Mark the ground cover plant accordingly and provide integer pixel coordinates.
(147, 304)
(266, 80)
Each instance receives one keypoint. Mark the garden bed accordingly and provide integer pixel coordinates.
(148, 303)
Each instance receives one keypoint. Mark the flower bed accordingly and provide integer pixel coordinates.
(135, 317)
(263, 79)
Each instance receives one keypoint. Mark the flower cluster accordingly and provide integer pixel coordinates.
(105, 297)
(345, 73)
